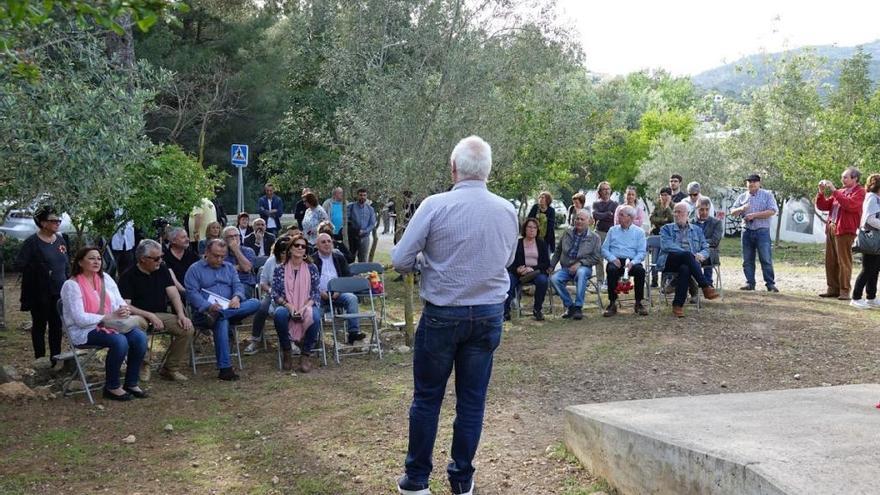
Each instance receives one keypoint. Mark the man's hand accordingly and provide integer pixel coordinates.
(699, 257)
(751, 216)
(215, 308)
(234, 244)
(234, 303)
(155, 321)
(324, 295)
(184, 323)
(574, 268)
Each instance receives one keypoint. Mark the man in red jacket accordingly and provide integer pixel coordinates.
(844, 207)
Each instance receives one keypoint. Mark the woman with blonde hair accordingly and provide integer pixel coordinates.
(212, 231)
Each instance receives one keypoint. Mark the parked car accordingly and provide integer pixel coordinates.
(19, 224)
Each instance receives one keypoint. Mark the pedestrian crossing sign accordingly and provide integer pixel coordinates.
(239, 155)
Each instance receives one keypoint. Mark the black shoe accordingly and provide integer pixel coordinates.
(228, 374)
(506, 316)
(569, 311)
(137, 394)
(772, 288)
(747, 287)
(611, 310)
(538, 315)
(640, 310)
(356, 336)
(111, 396)
(654, 284)
(577, 314)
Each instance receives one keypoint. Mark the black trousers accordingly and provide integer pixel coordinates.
(636, 273)
(43, 317)
(685, 265)
(867, 278)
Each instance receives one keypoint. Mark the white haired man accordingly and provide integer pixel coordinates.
(464, 283)
(242, 258)
(578, 251)
(624, 248)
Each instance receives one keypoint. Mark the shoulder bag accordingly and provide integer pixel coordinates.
(121, 325)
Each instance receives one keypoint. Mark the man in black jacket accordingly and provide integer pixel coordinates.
(331, 264)
(299, 209)
(259, 240)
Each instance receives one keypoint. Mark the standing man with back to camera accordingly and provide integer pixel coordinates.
(464, 284)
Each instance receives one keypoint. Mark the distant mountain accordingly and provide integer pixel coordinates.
(754, 70)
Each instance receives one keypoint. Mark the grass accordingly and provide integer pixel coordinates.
(785, 252)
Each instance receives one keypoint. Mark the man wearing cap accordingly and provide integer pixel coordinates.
(693, 201)
(756, 206)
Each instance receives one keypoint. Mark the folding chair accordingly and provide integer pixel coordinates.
(364, 267)
(519, 292)
(81, 356)
(356, 285)
(211, 357)
(592, 287)
(321, 346)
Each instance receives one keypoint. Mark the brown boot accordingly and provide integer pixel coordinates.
(678, 311)
(709, 292)
(286, 360)
(305, 364)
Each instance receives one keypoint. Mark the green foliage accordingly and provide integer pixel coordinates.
(701, 159)
(9, 251)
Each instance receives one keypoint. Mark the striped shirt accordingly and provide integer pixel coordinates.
(466, 238)
(762, 200)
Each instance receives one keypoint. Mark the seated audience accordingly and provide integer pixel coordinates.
(279, 252)
(147, 288)
(682, 249)
(216, 294)
(260, 240)
(692, 200)
(326, 227)
(624, 249)
(90, 299)
(244, 224)
(713, 231)
(212, 231)
(296, 294)
(179, 256)
(531, 263)
(577, 252)
(242, 258)
(332, 264)
(631, 199)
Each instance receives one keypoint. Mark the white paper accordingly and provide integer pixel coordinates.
(217, 299)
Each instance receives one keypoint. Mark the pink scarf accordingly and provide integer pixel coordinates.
(297, 291)
(91, 303)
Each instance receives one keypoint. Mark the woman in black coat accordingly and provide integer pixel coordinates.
(44, 267)
(531, 264)
(546, 216)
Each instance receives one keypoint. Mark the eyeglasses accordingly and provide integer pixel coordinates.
(56, 221)
(154, 258)
(301, 246)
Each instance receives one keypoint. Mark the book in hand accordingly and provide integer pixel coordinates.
(217, 299)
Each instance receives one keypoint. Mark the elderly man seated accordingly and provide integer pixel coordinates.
(147, 288)
(577, 252)
(216, 294)
(682, 249)
(242, 258)
(260, 241)
(713, 231)
(624, 248)
(332, 264)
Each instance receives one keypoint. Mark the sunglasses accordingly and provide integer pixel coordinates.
(154, 258)
(301, 246)
(54, 220)
(693, 194)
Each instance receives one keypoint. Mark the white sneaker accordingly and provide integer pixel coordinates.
(873, 303)
(252, 348)
(859, 303)
(294, 349)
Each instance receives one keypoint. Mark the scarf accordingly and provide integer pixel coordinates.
(91, 301)
(297, 290)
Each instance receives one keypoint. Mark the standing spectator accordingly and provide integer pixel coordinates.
(363, 216)
(624, 249)
(271, 208)
(122, 244)
(603, 214)
(693, 200)
(577, 252)
(578, 200)
(334, 208)
(217, 297)
(242, 258)
(199, 218)
(661, 215)
(713, 232)
(464, 284)
(530, 265)
(315, 214)
(298, 300)
(260, 240)
(42, 261)
(631, 199)
(544, 213)
(148, 289)
(845, 213)
(244, 224)
(756, 207)
(682, 249)
(675, 181)
(218, 207)
(179, 256)
(870, 262)
(299, 209)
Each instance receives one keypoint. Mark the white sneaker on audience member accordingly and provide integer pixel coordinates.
(294, 349)
(859, 303)
(253, 347)
(873, 303)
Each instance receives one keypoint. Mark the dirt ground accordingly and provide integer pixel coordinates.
(343, 429)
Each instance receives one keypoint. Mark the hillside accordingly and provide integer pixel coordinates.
(754, 70)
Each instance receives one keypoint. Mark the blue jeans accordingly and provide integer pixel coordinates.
(221, 328)
(757, 240)
(282, 316)
(561, 277)
(131, 345)
(464, 337)
(349, 303)
(541, 283)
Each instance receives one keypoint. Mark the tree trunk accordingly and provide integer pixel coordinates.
(203, 131)
(345, 222)
(375, 240)
(408, 309)
(779, 222)
(120, 48)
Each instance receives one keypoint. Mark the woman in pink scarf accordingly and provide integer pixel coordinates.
(84, 315)
(298, 299)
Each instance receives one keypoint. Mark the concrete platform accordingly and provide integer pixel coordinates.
(806, 441)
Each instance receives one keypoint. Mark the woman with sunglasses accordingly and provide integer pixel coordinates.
(298, 301)
(43, 263)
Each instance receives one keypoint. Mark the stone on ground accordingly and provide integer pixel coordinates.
(14, 391)
(804, 441)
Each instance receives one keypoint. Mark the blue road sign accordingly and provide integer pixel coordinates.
(239, 153)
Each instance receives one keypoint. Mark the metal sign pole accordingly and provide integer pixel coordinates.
(240, 191)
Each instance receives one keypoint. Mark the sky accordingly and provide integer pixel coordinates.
(687, 37)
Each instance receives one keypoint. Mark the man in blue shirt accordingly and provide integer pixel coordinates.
(624, 248)
(242, 258)
(216, 279)
(271, 208)
(364, 216)
(756, 206)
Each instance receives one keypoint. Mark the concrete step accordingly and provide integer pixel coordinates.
(805, 441)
